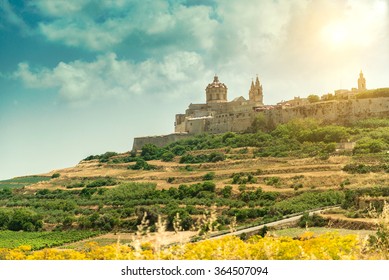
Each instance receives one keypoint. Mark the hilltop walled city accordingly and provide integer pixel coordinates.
(218, 115)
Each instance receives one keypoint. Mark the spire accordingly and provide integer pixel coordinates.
(257, 81)
(215, 79)
(255, 92)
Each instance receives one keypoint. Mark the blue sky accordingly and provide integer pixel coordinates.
(81, 77)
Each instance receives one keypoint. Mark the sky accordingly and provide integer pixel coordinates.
(82, 77)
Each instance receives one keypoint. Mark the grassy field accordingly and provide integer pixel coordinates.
(22, 181)
(39, 240)
(296, 231)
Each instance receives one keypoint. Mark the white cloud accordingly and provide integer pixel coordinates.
(106, 24)
(7, 13)
(282, 41)
(108, 77)
(59, 8)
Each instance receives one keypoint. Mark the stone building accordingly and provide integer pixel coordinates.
(219, 115)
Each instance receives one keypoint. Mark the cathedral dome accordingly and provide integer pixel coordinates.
(216, 83)
(216, 91)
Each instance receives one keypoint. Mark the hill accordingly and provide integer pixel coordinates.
(211, 183)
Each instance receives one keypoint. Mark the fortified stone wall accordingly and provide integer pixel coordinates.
(159, 141)
(238, 118)
(218, 115)
(339, 111)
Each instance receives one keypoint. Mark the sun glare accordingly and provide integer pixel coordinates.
(335, 34)
(358, 28)
(338, 35)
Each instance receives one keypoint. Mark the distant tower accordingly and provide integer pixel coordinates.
(361, 82)
(216, 91)
(256, 93)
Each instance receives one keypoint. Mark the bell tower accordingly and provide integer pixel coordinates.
(361, 82)
(256, 92)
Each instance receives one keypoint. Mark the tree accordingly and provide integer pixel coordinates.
(23, 219)
(150, 151)
(179, 150)
(167, 156)
(260, 124)
(226, 191)
(4, 219)
(313, 98)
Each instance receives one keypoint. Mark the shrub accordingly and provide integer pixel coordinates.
(141, 164)
(178, 150)
(76, 185)
(150, 151)
(209, 186)
(312, 221)
(108, 181)
(167, 156)
(188, 168)
(297, 186)
(209, 176)
(272, 181)
(356, 168)
(226, 192)
(170, 180)
(345, 183)
(215, 157)
(106, 156)
(243, 178)
(55, 175)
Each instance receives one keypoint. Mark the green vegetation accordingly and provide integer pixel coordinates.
(22, 181)
(374, 93)
(314, 220)
(40, 240)
(92, 206)
(272, 181)
(355, 168)
(243, 178)
(20, 219)
(102, 158)
(212, 157)
(299, 138)
(209, 176)
(313, 98)
(309, 200)
(195, 186)
(141, 164)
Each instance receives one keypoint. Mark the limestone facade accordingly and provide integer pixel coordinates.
(218, 115)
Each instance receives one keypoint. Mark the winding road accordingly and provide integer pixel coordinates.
(273, 224)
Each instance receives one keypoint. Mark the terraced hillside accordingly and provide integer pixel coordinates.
(270, 174)
(213, 183)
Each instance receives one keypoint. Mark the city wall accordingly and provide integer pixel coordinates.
(337, 111)
(159, 141)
